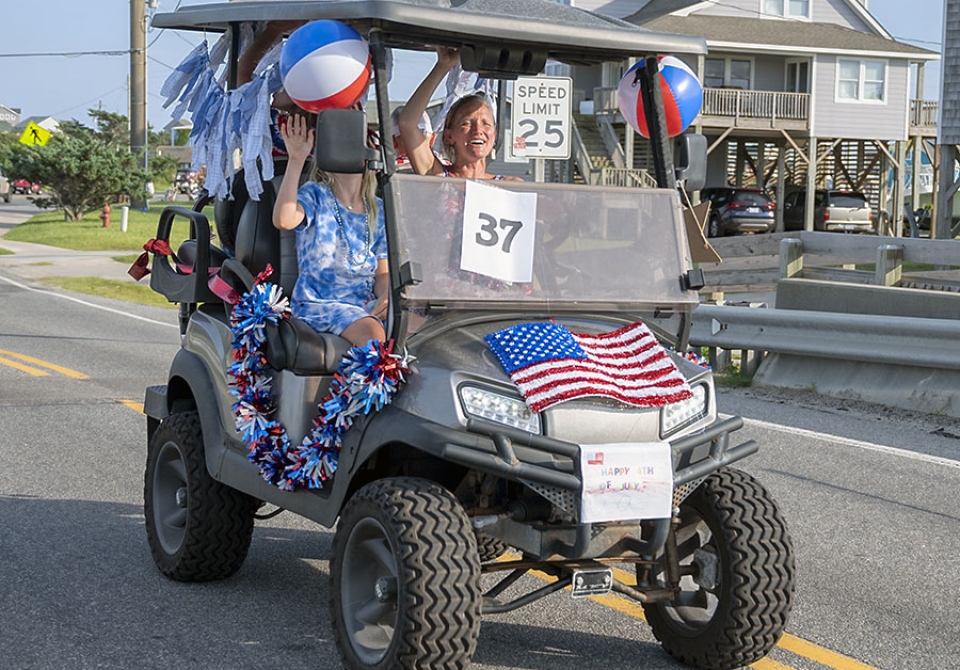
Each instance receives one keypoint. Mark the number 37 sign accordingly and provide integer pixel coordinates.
(540, 118)
(499, 230)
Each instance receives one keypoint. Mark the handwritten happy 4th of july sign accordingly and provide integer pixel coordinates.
(626, 481)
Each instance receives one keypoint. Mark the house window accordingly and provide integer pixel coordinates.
(796, 9)
(798, 76)
(863, 80)
(727, 73)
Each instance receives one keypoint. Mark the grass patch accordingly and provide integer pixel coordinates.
(111, 288)
(5, 252)
(88, 234)
(732, 380)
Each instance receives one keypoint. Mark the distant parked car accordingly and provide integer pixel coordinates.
(24, 187)
(738, 210)
(21, 186)
(834, 211)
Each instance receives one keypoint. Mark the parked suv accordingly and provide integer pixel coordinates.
(834, 211)
(739, 210)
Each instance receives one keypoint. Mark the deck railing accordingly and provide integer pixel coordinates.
(730, 102)
(923, 113)
(632, 178)
(772, 105)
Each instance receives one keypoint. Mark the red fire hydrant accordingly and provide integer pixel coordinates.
(105, 215)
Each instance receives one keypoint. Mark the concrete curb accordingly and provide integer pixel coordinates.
(39, 261)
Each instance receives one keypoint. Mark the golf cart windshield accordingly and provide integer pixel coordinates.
(530, 245)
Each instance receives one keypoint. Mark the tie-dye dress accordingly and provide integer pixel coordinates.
(335, 287)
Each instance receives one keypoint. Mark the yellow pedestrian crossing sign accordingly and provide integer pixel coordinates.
(35, 135)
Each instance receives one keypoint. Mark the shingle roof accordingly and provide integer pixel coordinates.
(779, 34)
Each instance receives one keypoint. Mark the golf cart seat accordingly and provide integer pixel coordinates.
(187, 275)
(291, 344)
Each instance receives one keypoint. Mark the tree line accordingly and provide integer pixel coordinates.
(83, 168)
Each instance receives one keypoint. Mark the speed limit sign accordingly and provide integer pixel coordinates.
(541, 117)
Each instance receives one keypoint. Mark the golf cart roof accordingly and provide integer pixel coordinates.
(566, 33)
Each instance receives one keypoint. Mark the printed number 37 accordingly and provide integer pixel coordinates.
(488, 235)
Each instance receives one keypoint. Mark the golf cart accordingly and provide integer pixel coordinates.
(446, 497)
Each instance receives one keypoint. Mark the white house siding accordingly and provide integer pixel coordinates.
(768, 73)
(615, 8)
(823, 11)
(860, 120)
(839, 12)
(747, 9)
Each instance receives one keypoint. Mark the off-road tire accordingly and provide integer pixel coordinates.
(198, 529)
(489, 548)
(746, 611)
(409, 541)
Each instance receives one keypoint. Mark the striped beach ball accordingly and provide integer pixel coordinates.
(325, 65)
(682, 96)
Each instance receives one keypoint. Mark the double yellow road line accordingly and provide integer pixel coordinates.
(36, 367)
(39, 368)
(791, 643)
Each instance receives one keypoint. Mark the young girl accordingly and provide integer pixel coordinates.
(341, 244)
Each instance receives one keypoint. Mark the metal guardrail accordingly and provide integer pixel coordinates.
(889, 340)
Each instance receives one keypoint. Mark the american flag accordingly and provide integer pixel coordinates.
(549, 364)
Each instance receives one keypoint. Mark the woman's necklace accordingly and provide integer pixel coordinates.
(357, 260)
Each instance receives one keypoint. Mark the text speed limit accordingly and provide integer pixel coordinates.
(541, 117)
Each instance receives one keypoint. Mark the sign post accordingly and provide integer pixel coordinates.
(541, 117)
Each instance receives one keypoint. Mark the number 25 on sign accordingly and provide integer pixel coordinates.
(499, 229)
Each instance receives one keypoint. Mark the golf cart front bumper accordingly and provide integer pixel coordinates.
(551, 468)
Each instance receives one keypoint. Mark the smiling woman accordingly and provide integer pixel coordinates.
(469, 129)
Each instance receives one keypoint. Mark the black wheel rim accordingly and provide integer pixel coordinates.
(369, 591)
(170, 498)
(701, 584)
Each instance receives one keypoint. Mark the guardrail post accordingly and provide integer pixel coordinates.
(889, 265)
(791, 258)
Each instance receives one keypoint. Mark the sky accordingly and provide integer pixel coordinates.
(59, 61)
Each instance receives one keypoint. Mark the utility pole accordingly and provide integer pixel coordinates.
(138, 76)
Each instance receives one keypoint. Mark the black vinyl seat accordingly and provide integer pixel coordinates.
(292, 344)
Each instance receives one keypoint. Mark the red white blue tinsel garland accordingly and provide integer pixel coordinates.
(366, 381)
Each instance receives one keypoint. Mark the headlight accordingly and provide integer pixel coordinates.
(676, 415)
(500, 408)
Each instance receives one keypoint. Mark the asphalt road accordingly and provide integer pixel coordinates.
(870, 497)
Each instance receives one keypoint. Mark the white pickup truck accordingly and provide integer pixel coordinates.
(5, 188)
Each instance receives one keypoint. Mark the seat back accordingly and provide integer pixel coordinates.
(292, 345)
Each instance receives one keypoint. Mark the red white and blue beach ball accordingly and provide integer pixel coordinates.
(682, 96)
(325, 65)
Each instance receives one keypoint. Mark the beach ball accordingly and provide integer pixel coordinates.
(325, 65)
(682, 96)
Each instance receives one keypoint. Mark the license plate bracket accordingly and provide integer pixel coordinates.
(591, 582)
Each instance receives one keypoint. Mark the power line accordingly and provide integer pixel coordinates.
(116, 52)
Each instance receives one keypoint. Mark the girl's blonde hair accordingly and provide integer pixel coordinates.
(368, 189)
(449, 149)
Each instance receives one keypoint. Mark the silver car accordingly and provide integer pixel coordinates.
(835, 210)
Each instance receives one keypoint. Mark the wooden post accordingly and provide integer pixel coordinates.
(915, 173)
(781, 178)
(898, 188)
(791, 258)
(889, 265)
(811, 184)
(884, 197)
